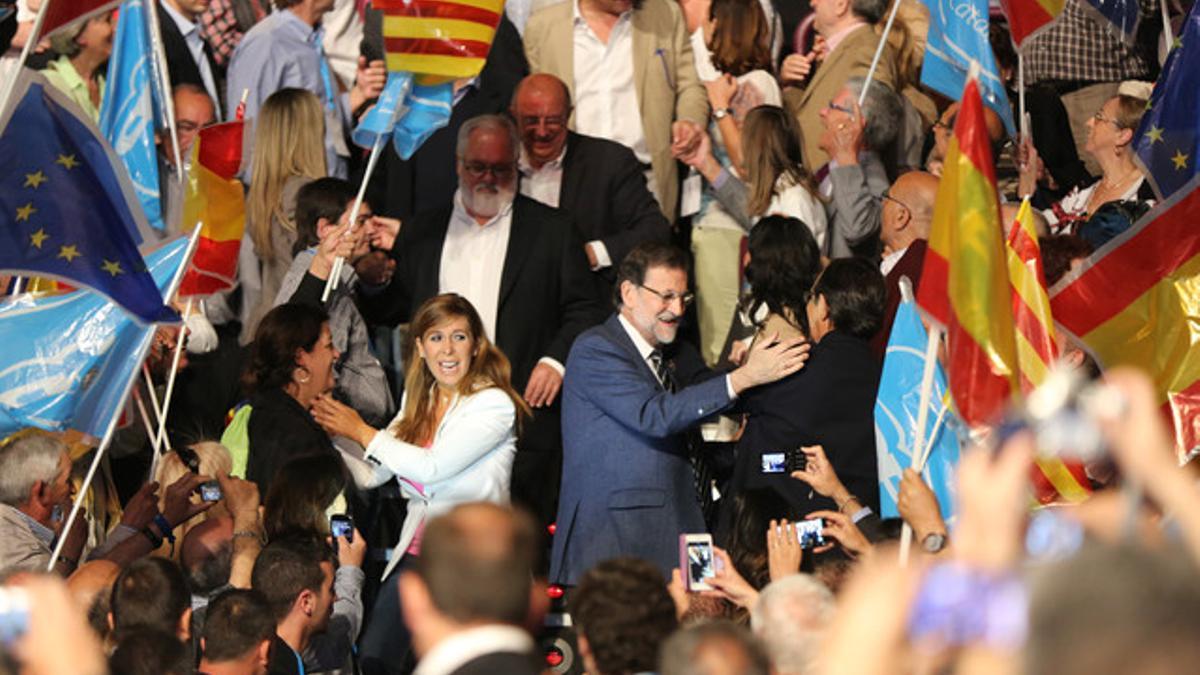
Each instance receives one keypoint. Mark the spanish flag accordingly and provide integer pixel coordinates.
(1026, 17)
(1136, 301)
(1054, 479)
(443, 38)
(964, 283)
(214, 199)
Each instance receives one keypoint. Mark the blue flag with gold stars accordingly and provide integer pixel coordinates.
(1167, 142)
(67, 209)
(68, 360)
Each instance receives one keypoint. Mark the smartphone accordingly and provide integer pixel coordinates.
(14, 614)
(784, 462)
(811, 532)
(210, 491)
(697, 560)
(341, 525)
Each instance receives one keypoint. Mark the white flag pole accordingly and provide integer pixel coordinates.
(887, 28)
(162, 79)
(931, 346)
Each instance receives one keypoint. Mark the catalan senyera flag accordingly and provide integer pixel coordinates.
(1054, 479)
(1136, 301)
(1026, 17)
(444, 38)
(964, 283)
(214, 200)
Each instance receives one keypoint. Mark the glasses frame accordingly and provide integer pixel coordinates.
(687, 298)
(478, 170)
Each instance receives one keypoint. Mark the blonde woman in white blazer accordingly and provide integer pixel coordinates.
(453, 441)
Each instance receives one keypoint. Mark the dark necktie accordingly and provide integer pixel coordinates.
(662, 370)
(701, 472)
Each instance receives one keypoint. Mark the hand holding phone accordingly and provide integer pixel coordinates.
(210, 491)
(697, 561)
(341, 525)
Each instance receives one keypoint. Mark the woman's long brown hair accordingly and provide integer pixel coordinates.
(489, 368)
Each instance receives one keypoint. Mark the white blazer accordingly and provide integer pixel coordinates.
(470, 460)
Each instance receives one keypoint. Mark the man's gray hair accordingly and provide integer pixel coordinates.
(884, 112)
(498, 123)
(790, 619)
(24, 462)
(678, 655)
(870, 11)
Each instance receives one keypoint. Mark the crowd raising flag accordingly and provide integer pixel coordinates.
(1026, 17)
(1054, 479)
(964, 283)
(1136, 302)
(68, 359)
(67, 210)
(896, 419)
(214, 200)
(1168, 140)
(127, 111)
(958, 36)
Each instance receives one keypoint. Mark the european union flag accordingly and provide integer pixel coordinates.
(68, 360)
(1167, 142)
(410, 112)
(896, 408)
(127, 112)
(1121, 16)
(66, 208)
(958, 35)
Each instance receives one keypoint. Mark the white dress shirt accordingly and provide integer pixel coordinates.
(545, 186)
(195, 44)
(606, 102)
(458, 650)
(473, 260)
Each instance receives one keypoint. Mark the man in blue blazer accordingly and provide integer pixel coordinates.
(628, 485)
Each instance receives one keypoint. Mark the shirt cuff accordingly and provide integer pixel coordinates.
(553, 363)
(721, 178)
(729, 387)
(600, 251)
(861, 513)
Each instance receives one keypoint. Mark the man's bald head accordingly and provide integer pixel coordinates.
(541, 106)
(92, 578)
(206, 554)
(908, 209)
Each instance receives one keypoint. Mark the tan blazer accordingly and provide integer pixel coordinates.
(660, 48)
(851, 58)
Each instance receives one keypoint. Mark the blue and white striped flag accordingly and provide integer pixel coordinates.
(896, 408)
(127, 114)
(69, 359)
(410, 112)
(958, 35)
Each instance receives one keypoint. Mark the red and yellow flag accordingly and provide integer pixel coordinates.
(1136, 302)
(1026, 17)
(443, 38)
(214, 200)
(964, 283)
(1054, 479)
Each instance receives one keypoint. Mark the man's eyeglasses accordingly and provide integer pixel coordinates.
(1099, 116)
(671, 296)
(479, 169)
(885, 197)
(840, 108)
(944, 126)
(551, 121)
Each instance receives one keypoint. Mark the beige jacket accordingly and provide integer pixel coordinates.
(663, 70)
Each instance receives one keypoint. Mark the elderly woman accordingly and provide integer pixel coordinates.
(79, 69)
(1110, 134)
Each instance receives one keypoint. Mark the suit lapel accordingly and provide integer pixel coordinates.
(616, 333)
(562, 49)
(831, 60)
(643, 51)
(429, 277)
(572, 171)
(521, 239)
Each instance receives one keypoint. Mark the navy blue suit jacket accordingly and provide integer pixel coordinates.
(627, 484)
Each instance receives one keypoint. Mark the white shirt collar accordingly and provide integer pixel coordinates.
(580, 20)
(890, 261)
(461, 213)
(644, 348)
(462, 648)
(527, 168)
(186, 26)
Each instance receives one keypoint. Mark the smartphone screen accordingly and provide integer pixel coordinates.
(774, 462)
(700, 564)
(811, 532)
(210, 491)
(341, 526)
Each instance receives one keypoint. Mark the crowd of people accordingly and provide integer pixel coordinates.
(503, 444)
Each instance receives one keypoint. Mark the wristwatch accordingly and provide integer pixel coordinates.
(720, 113)
(934, 542)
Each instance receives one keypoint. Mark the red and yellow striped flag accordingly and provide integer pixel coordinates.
(1026, 17)
(964, 283)
(214, 200)
(444, 38)
(1054, 479)
(1136, 302)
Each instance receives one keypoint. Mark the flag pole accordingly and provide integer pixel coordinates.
(106, 440)
(1024, 124)
(335, 274)
(931, 345)
(162, 79)
(1166, 19)
(862, 96)
(11, 84)
(161, 439)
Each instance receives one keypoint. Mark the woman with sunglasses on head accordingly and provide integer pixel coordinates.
(1109, 142)
(454, 441)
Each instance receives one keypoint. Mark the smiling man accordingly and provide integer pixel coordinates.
(630, 396)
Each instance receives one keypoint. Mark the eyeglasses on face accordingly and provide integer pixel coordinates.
(480, 169)
(1099, 116)
(885, 197)
(550, 121)
(670, 296)
(840, 108)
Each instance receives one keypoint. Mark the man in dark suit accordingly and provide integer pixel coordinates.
(427, 180)
(906, 214)
(598, 181)
(628, 488)
(189, 58)
(470, 592)
(521, 264)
